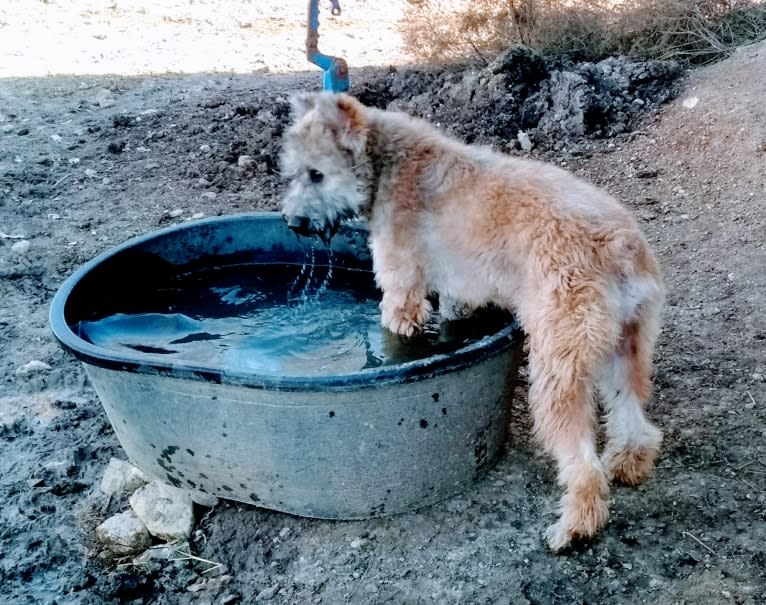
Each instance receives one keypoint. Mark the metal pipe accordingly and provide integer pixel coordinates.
(335, 68)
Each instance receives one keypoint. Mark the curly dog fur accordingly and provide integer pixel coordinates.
(478, 227)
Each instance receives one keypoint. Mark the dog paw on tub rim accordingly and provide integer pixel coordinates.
(407, 320)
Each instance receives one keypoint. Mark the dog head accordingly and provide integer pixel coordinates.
(322, 158)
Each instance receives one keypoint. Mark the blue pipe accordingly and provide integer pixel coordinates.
(335, 69)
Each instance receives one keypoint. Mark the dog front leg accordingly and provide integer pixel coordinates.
(404, 308)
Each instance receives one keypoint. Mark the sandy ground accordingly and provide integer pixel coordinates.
(87, 161)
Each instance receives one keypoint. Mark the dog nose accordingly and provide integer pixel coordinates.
(299, 224)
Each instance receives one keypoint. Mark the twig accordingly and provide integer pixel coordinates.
(749, 394)
(187, 556)
(698, 541)
(746, 464)
(758, 489)
(62, 179)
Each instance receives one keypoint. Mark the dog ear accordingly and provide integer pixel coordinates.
(301, 104)
(348, 118)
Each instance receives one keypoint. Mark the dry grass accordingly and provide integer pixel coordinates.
(696, 31)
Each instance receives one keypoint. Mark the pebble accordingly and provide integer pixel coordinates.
(161, 552)
(197, 216)
(175, 213)
(124, 533)
(167, 512)
(690, 102)
(267, 593)
(284, 532)
(245, 161)
(203, 499)
(90, 173)
(21, 247)
(32, 367)
(204, 148)
(121, 477)
(524, 141)
(104, 98)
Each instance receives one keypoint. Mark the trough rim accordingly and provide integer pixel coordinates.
(411, 371)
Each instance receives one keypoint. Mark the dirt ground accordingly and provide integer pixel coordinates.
(88, 161)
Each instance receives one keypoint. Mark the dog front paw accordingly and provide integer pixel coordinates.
(407, 319)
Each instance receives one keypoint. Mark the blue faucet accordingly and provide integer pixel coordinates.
(335, 69)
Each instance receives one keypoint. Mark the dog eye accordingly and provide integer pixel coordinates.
(315, 176)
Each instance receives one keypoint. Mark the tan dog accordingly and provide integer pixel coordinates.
(478, 227)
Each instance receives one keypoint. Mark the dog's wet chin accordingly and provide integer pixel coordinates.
(304, 227)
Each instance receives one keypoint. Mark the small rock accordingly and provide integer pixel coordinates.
(167, 512)
(74, 161)
(267, 593)
(121, 477)
(284, 532)
(215, 101)
(203, 499)
(524, 141)
(204, 148)
(7, 127)
(175, 213)
(53, 216)
(197, 216)
(161, 552)
(210, 195)
(23, 132)
(357, 542)
(104, 98)
(758, 376)
(32, 367)
(123, 534)
(106, 181)
(21, 247)
(245, 161)
(90, 173)
(56, 137)
(199, 585)
(690, 102)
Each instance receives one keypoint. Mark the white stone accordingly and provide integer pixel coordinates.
(121, 477)
(524, 141)
(167, 512)
(204, 148)
(124, 533)
(267, 593)
(245, 161)
(203, 499)
(90, 173)
(175, 213)
(210, 195)
(198, 216)
(32, 367)
(21, 247)
(690, 102)
(104, 98)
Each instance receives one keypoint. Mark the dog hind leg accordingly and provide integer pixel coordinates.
(566, 349)
(625, 386)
